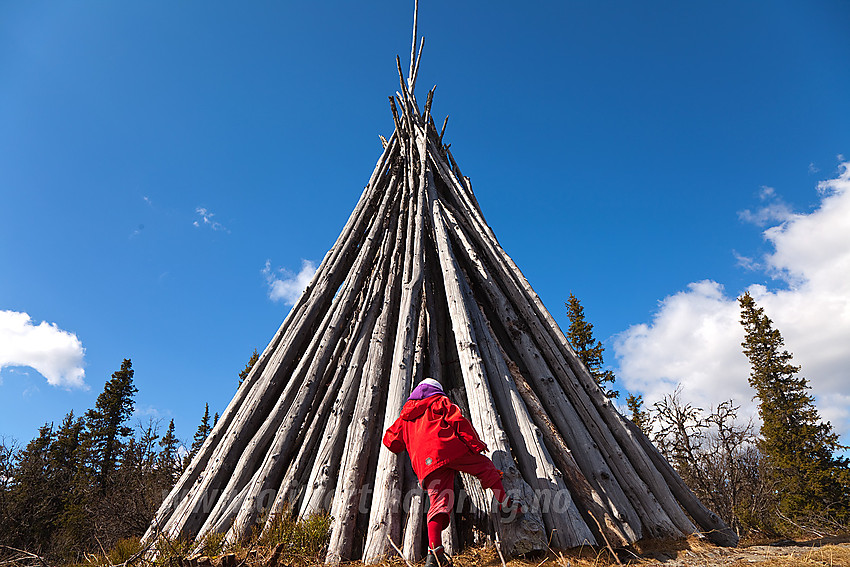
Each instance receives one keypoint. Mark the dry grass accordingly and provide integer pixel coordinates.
(301, 544)
(827, 555)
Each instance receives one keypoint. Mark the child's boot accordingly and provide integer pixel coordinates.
(438, 558)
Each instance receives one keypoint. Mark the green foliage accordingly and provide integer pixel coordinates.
(32, 505)
(588, 349)
(305, 538)
(106, 422)
(123, 550)
(68, 483)
(213, 544)
(200, 435)
(169, 460)
(637, 414)
(799, 447)
(171, 552)
(247, 370)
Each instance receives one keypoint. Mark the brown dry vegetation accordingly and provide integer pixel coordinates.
(683, 553)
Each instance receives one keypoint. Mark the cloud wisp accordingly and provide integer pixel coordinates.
(694, 339)
(55, 354)
(286, 286)
(205, 218)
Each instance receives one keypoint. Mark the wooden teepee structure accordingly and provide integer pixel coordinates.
(417, 285)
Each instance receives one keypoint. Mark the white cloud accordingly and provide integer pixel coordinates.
(148, 411)
(774, 210)
(55, 354)
(206, 218)
(694, 337)
(286, 286)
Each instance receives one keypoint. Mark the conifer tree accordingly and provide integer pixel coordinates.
(68, 482)
(169, 460)
(637, 414)
(588, 349)
(200, 435)
(32, 508)
(799, 447)
(8, 450)
(105, 422)
(251, 362)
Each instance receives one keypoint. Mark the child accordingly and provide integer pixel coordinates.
(440, 442)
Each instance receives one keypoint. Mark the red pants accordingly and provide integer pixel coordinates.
(440, 484)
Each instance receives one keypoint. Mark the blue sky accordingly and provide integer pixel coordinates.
(165, 167)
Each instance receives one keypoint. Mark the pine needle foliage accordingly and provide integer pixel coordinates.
(106, 422)
(588, 349)
(200, 435)
(247, 370)
(799, 447)
(637, 414)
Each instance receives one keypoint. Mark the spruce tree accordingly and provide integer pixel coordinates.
(200, 435)
(637, 414)
(588, 349)
(251, 362)
(32, 505)
(68, 481)
(106, 429)
(799, 447)
(169, 460)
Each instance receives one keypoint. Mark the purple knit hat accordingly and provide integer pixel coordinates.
(425, 389)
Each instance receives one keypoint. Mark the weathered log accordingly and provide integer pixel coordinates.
(612, 530)
(326, 464)
(413, 545)
(412, 79)
(362, 438)
(386, 514)
(413, 43)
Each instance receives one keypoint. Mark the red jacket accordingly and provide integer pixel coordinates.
(434, 433)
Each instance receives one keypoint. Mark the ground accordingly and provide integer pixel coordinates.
(691, 553)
